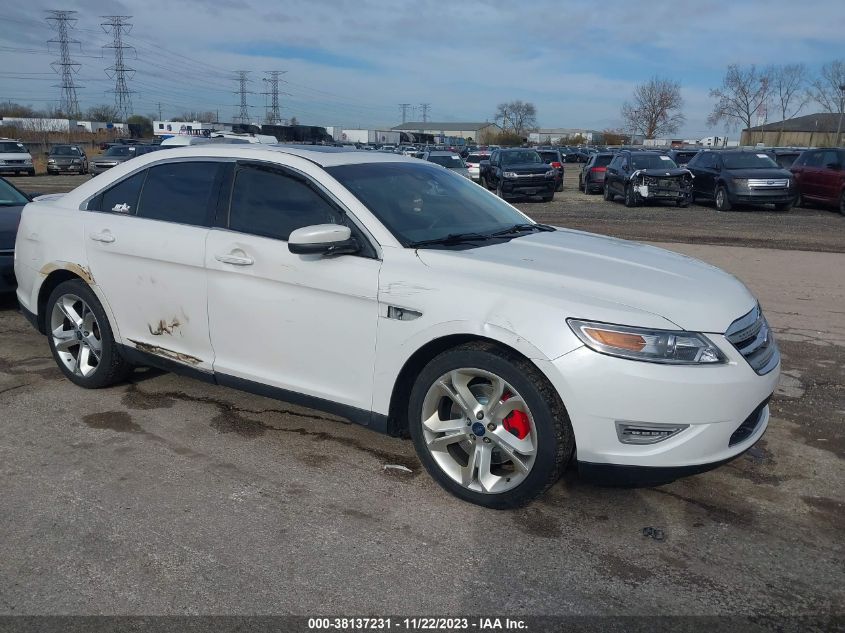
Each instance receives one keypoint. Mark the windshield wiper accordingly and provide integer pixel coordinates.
(452, 238)
(520, 228)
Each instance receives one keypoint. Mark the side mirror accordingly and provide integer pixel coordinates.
(323, 239)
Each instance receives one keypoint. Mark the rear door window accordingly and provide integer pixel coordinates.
(122, 197)
(181, 192)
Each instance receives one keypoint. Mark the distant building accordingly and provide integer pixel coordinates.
(810, 130)
(443, 131)
(34, 124)
(185, 128)
(557, 135)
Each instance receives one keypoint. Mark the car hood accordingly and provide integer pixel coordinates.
(10, 217)
(663, 173)
(769, 173)
(112, 159)
(527, 168)
(565, 264)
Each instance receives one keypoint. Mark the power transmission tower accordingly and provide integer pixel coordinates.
(404, 107)
(62, 22)
(118, 26)
(243, 80)
(425, 108)
(273, 115)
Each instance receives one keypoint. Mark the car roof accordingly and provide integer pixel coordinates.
(441, 152)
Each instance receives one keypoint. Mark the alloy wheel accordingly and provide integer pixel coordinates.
(76, 335)
(479, 430)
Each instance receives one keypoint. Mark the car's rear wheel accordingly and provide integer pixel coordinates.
(81, 338)
(723, 203)
(488, 426)
(499, 191)
(842, 203)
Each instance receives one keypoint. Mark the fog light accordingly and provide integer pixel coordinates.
(637, 433)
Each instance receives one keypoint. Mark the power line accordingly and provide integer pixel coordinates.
(118, 26)
(425, 107)
(61, 22)
(273, 115)
(404, 107)
(243, 79)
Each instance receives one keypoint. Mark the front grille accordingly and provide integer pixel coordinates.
(764, 183)
(749, 425)
(751, 336)
(15, 162)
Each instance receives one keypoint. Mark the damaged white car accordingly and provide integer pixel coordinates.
(409, 300)
(647, 176)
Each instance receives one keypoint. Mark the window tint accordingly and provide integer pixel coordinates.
(270, 203)
(122, 197)
(179, 192)
(830, 156)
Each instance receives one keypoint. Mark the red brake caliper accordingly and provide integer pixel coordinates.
(515, 422)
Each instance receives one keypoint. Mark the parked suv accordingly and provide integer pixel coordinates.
(403, 297)
(519, 172)
(591, 178)
(554, 158)
(644, 176)
(67, 158)
(473, 163)
(731, 177)
(15, 158)
(820, 177)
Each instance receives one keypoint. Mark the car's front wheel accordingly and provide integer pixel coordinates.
(630, 197)
(842, 203)
(488, 426)
(608, 194)
(723, 202)
(81, 338)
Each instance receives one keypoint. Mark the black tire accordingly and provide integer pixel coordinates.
(631, 197)
(499, 191)
(112, 367)
(721, 199)
(560, 186)
(483, 181)
(555, 439)
(682, 204)
(608, 194)
(799, 201)
(786, 206)
(548, 198)
(842, 203)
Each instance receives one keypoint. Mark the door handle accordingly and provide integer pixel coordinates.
(235, 260)
(105, 236)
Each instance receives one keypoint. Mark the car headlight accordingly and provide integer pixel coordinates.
(551, 173)
(510, 174)
(51, 160)
(671, 347)
(740, 183)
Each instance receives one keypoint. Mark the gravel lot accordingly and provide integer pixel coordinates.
(170, 496)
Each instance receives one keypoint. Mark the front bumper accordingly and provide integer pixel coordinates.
(57, 169)
(745, 197)
(713, 401)
(532, 187)
(11, 169)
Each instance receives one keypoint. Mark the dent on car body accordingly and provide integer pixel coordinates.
(643, 179)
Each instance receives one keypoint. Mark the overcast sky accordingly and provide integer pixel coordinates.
(351, 62)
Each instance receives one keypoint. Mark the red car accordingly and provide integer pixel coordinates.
(820, 177)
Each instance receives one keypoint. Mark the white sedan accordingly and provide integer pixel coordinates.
(404, 297)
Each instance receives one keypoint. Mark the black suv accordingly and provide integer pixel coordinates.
(519, 172)
(642, 175)
(732, 177)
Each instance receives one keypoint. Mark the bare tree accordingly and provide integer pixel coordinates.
(105, 113)
(787, 85)
(742, 96)
(517, 116)
(655, 108)
(824, 90)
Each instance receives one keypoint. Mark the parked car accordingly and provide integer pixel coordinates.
(681, 157)
(644, 176)
(569, 154)
(784, 156)
(505, 348)
(820, 177)
(67, 158)
(519, 172)
(12, 201)
(731, 177)
(473, 163)
(591, 178)
(449, 160)
(112, 157)
(552, 157)
(15, 158)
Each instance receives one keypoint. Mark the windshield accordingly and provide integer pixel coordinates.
(12, 148)
(416, 201)
(118, 150)
(476, 158)
(64, 150)
(652, 161)
(452, 162)
(684, 157)
(10, 196)
(748, 160)
(517, 158)
(603, 160)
